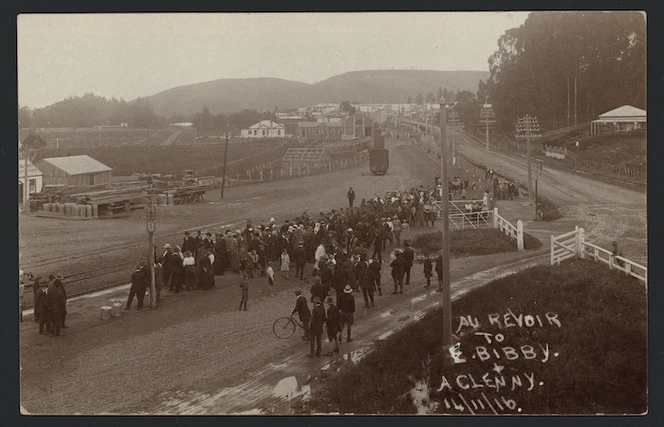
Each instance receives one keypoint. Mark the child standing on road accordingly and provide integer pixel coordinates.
(270, 278)
(428, 270)
(285, 263)
(244, 288)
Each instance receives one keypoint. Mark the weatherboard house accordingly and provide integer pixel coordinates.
(75, 171)
(264, 129)
(621, 119)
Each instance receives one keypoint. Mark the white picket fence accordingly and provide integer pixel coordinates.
(462, 220)
(573, 244)
(510, 230)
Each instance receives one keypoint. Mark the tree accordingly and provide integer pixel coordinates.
(25, 119)
(440, 94)
(347, 108)
(410, 99)
(419, 99)
(430, 98)
(568, 66)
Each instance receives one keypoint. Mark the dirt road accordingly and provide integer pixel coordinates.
(197, 354)
(607, 212)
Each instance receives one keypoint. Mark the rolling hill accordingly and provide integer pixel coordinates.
(384, 86)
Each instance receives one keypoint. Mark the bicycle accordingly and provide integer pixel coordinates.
(284, 327)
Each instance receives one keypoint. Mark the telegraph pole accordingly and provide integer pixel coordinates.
(528, 128)
(150, 223)
(447, 301)
(453, 121)
(487, 116)
(223, 177)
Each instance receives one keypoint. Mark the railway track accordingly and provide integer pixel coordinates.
(82, 282)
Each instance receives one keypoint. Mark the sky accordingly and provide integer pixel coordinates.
(132, 55)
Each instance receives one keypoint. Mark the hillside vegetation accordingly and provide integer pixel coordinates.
(227, 95)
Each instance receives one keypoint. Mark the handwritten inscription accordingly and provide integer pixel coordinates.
(496, 360)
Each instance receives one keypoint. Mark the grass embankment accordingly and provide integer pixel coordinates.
(590, 352)
(484, 241)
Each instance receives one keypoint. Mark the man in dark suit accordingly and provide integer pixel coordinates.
(138, 286)
(316, 327)
(41, 304)
(302, 310)
(188, 244)
(318, 290)
(56, 301)
(409, 257)
(351, 197)
(346, 305)
(333, 325)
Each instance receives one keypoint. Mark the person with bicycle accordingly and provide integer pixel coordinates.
(302, 310)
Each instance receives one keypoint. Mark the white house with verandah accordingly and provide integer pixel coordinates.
(264, 129)
(621, 119)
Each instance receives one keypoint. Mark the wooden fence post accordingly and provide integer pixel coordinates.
(519, 235)
(260, 174)
(495, 217)
(580, 243)
(552, 245)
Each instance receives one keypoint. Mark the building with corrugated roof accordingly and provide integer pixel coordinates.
(75, 171)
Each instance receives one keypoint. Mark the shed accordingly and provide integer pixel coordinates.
(75, 171)
(620, 119)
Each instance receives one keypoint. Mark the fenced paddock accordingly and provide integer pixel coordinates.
(573, 244)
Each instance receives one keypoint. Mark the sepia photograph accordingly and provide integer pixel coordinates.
(322, 213)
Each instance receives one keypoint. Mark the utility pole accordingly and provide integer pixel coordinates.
(453, 121)
(223, 177)
(539, 169)
(447, 301)
(487, 116)
(150, 223)
(528, 128)
(26, 189)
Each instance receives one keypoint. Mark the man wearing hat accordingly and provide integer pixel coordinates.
(41, 304)
(318, 290)
(346, 305)
(351, 197)
(409, 257)
(138, 286)
(56, 300)
(368, 285)
(300, 260)
(316, 327)
(333, 325)
(302, 310)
